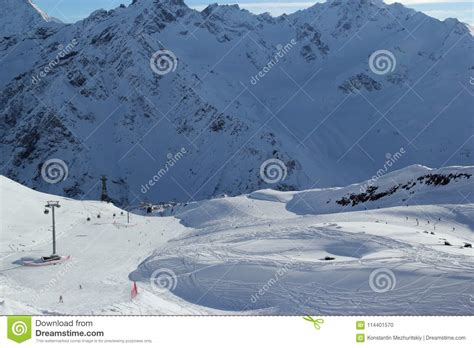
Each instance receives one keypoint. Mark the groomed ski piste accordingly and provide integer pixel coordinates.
(400, 245)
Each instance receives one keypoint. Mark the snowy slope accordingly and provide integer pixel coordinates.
(102, 110)
(20, 17)
(414, 185)
(256, 253)
(108, 246)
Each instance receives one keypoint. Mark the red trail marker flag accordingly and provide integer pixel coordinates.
(134, 292)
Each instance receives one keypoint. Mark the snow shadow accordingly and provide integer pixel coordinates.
(243, 286)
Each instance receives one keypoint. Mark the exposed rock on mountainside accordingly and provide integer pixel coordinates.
(85, 93)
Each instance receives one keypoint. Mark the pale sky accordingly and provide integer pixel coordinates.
(73, 10)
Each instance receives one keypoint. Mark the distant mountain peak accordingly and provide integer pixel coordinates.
(175, 8)
(214, 6)
(21, 16)
(170, 4)
(43, 14)
(354, 2)
(214, 101)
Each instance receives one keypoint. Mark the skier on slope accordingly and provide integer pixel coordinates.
(61, 299)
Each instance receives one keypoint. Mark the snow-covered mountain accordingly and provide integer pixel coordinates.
(411, 186)
(86, 93)
(18, 17)
(268, 252)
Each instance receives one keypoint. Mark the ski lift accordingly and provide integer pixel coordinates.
(46, 211)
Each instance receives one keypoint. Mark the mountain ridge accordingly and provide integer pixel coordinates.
(102, 110)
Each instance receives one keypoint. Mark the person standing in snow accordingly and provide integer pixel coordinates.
(61, 299)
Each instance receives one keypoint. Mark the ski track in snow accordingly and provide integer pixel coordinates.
(263, 253)
(253, 254)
